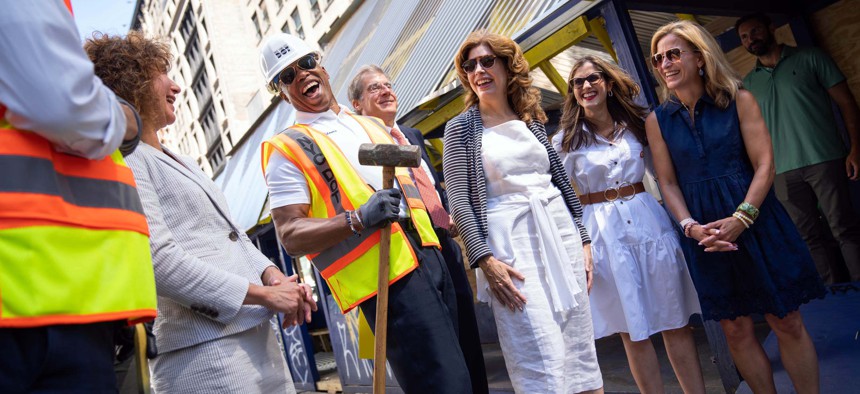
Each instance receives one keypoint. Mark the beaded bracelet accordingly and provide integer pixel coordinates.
(686, 222)
(688, 227)
(349, 222)
(743, 219)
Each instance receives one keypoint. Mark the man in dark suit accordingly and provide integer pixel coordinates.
(371, 94)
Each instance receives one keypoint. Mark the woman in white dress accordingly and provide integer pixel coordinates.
(520, 221)
(641, 282)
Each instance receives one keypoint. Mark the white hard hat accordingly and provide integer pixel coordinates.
(279, 51)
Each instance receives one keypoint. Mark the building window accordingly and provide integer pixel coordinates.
(280, 5)
(315, 10)
(215, 156)
(257, 26)
(297, 22)
(187, 26)
(201, 89)
(193, 54)
(209, 123)
(264, 17)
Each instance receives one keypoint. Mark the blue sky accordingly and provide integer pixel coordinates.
(106, 16)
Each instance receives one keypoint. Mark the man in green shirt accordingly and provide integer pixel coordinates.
(793, 87)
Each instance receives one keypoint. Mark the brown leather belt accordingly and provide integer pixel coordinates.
(625, 191)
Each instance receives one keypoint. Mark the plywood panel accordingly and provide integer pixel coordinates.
(837, 30)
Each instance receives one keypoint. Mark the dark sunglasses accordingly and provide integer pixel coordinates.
(470, 65)
(592, 79)
(306, 62)
(673, 55)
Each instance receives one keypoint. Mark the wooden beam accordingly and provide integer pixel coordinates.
(598, 28)
(688, 17)
(557, 80)
(572, 33)
(442, 115)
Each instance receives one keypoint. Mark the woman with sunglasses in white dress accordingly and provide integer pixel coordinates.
(641, 282)
(519, 219)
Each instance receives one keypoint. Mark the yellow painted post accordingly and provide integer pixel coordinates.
(441, 116)
(598, 28)
(557, 80)
(570, 34)
(688, 17)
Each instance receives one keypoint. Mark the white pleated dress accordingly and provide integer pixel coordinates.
(548, 347)
(641, 281)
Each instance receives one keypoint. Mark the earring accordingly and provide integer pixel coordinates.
(701, 72)
(610, 93)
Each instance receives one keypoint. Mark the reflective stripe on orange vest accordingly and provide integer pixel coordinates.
(50, 187)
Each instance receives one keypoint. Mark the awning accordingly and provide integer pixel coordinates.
(242, 180)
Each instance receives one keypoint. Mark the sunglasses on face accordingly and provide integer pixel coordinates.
(306, 62)
(592, 79)
(673, 55)
(470, 65)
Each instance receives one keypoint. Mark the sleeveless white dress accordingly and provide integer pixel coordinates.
(641, 281)
(548, 347)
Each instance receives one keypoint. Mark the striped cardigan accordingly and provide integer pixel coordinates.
(466, 185)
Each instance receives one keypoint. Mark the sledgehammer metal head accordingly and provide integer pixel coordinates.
(389, 155)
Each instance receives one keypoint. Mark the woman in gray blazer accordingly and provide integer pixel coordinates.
(216, 292)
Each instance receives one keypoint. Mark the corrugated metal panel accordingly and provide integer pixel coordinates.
(415, 41)
(371, 45)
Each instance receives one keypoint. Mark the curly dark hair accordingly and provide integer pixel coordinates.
(523, 98)
(128, 65)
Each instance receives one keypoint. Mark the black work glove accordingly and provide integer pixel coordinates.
(381, 208)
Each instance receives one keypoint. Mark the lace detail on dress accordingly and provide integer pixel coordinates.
(787, 299)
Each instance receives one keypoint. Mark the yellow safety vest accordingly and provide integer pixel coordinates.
(351, 267)
(74, 244)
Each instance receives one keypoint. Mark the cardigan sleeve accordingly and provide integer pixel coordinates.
(562, 182)
(456, 165)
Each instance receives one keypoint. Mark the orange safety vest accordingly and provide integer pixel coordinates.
(351, 267)
(74, 245)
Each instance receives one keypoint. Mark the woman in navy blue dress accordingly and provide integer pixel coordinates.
(714, 162)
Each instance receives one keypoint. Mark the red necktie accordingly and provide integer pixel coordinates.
(437, 213)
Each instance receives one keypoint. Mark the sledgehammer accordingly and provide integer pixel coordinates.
(387, 156)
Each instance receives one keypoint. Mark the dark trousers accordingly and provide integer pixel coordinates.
(470, 342)
(422, 344)
(75, 358)
(801, 191)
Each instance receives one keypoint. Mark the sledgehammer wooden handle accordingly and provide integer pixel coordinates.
(382, 296)
(388, 156)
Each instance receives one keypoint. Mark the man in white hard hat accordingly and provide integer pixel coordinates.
(372, 94)
(329, 207)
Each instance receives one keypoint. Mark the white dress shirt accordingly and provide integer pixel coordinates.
(48, 84)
